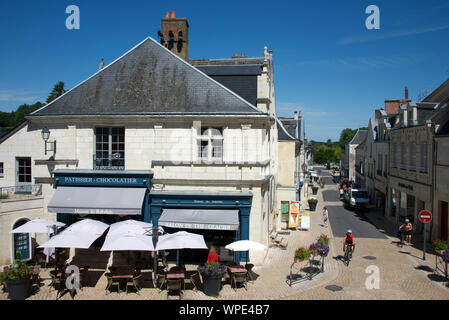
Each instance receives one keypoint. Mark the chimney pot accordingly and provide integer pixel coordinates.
(167, 15)
(173, 15)
(406, 93)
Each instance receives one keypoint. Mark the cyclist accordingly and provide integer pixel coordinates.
(408, 231)
(348, 240)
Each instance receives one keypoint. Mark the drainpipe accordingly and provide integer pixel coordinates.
(434, 157)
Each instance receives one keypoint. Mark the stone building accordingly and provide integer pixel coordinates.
(412, 155)
(179, 132)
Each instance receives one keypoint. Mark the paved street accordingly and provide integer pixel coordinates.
(403, 274)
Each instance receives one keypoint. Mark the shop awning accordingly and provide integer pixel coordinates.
(94, 200)
(200, 219)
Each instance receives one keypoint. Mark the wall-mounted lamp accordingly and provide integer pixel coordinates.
(49, 145)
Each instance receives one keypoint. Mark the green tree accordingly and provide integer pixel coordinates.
(346, 136)
(58, 90)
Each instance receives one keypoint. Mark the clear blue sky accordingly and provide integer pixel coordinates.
(327, 64)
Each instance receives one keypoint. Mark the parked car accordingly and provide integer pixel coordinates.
(357, 198)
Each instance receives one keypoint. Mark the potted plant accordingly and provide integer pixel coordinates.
(323, 239)
(302, 254)
(212, 274)
(314, 189)
(312, 203)
(17, 277)
(445, 256)
(439, 245)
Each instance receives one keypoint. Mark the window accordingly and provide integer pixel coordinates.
(412, 155)
(385, 165)
(1, 170)
(424, 157)
(210, 144)
(403, 156)
(23, 171)
(109, 149)
(396, 155)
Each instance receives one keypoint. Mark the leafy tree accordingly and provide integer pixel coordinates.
(9, 120)
(58, 90)
(346, 136)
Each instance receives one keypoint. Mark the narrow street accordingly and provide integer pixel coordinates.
(402, 272)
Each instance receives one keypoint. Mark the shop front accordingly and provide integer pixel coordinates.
(221, 217)
(380, 192)
(410, 198)
(108, 196)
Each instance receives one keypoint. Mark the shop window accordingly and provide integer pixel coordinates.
(109, 149)
(210, 144)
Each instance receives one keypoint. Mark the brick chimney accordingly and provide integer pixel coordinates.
(406, 93)
(174, 35)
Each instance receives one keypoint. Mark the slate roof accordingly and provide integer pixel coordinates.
(286, 129)
(148, 79)
(241, 79)
(359, 137)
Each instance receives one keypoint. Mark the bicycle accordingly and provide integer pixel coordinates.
(401, 238)
(348, 253)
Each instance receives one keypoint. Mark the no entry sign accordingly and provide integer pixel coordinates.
(425, 216)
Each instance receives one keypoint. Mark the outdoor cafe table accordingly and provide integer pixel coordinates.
(237, 269)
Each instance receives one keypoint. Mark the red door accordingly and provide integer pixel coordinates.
(443, 220)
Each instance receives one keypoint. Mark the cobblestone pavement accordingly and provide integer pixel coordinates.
(403, 274)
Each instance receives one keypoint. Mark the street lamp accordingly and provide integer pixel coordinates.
(45, 136)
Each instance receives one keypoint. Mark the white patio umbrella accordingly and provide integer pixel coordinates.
(37, 226)
(71, 239)
(128, 242)
(88, 226)
(40, 226)
(245, 245)
(80, 235)
(132, 226)
(181, 240)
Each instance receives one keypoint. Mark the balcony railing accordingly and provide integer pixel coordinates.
(112, 162)
(21, 190)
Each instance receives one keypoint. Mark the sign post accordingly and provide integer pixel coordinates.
(425, 217)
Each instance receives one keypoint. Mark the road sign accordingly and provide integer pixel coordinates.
(425, 216)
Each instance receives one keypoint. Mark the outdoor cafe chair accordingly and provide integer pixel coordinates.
(112, 282)
(134, 283)
(239, 277)
(191, 277)
(35, 278)
(174, 285)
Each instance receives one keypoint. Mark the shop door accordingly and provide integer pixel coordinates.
(444, 220)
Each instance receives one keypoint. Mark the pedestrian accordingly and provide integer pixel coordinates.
(213, 256)
(325, 216)
(341, 193)
(408, 231)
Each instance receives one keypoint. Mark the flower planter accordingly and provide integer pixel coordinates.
(314, 190)
(212, 284)
(18, 288)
